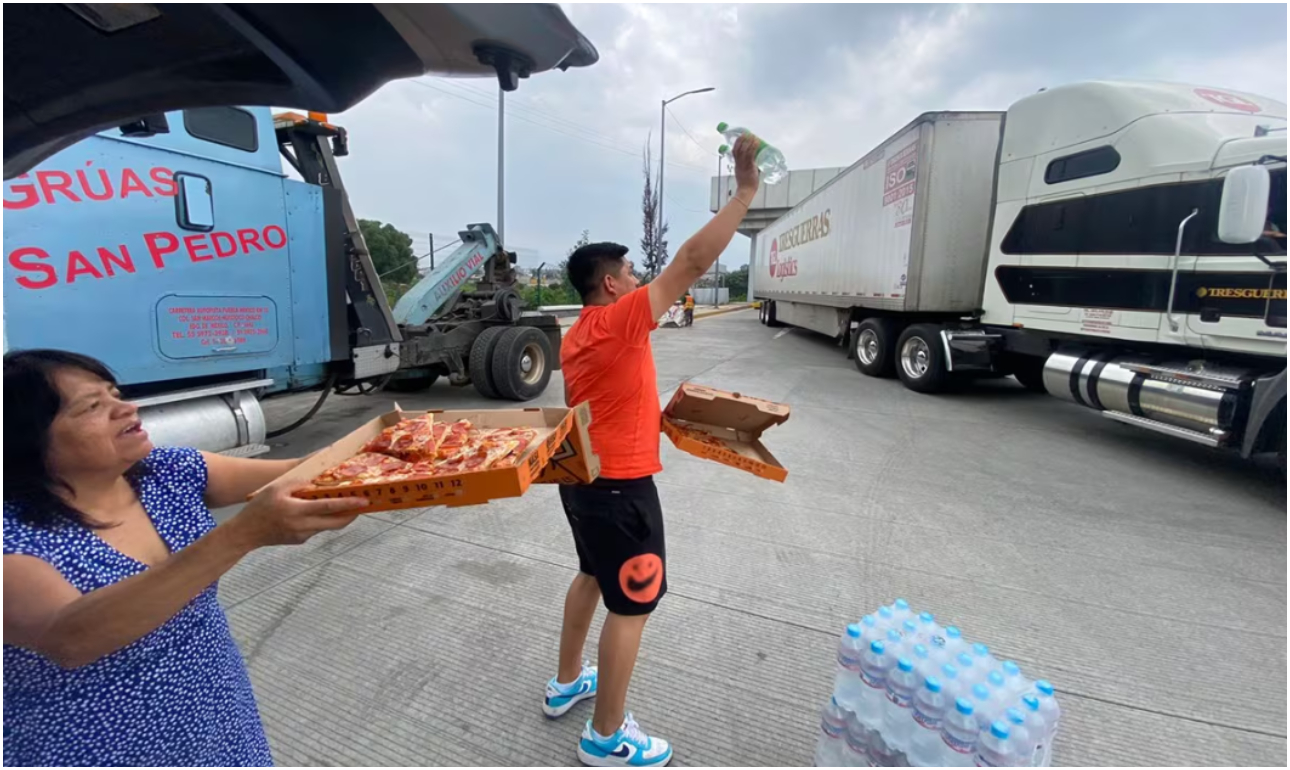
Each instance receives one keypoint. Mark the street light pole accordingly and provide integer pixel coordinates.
(662, 150)
(501, 165)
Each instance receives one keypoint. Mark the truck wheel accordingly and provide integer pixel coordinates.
(481, 359)
(1029, 371)
(761, 312)
(770, 313)
(521, 363)
(411, 384)
(873, 342)
(920, 359)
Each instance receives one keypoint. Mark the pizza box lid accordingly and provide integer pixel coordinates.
(736, 422)
(708, 406)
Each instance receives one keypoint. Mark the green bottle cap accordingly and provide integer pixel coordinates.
(723, 149)
(721, 127)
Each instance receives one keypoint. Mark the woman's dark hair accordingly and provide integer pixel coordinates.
(31, 401)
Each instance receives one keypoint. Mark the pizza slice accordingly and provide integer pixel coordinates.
(512, 443)
(455, 438)
(365, 468)
(412, 440)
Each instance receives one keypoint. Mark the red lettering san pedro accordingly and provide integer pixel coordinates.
(37, 269)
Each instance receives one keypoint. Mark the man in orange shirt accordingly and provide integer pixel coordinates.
(617, 521)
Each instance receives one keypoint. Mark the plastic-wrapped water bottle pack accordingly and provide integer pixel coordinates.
(910, 692)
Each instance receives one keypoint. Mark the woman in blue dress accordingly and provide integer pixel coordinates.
(116, 651)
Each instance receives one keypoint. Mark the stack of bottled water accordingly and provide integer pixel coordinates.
(910, 692)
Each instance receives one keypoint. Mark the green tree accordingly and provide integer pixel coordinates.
(737, 282)
(392, 256)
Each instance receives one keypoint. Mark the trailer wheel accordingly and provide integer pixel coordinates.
(521, 364)
(920, 359)
(481, 360)
(761, 312)
(873, 345)
(770, 313)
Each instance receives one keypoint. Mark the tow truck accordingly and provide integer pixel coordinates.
(175, 247)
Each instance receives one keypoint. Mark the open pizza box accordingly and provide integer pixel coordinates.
(561, 454)
(725, 427)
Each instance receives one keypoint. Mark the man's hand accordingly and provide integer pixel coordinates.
(747, 175)
(696, 255)
(275, 517)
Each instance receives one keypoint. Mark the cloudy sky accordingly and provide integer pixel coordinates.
(825, 83)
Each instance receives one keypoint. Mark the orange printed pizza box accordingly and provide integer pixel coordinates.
(725, 427)
(420, 459)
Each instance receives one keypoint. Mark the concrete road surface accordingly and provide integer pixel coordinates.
(1146, 578)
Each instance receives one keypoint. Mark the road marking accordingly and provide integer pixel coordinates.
(781, 334)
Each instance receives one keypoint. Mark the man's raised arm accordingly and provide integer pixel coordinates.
(702, 249)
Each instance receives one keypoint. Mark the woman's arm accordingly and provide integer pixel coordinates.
(45, 613)
(230, 479)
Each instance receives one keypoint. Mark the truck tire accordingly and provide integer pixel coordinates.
(920, 359)
(1029, 371)
(411, 384)
(481, 361)
(762, 309)
(770, 314)
(521, 364)
(874, 344)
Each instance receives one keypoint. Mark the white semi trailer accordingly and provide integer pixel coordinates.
(1119, 245)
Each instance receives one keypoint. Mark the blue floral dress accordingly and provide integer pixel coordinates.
(178, 696)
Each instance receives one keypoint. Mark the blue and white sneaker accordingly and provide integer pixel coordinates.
(562, 697)
(629, 747)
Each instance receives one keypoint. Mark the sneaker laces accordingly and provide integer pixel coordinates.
(633, 730)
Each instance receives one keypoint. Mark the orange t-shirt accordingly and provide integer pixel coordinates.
(607, 360)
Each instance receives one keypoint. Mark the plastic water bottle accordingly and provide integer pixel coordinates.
(886, 619)
(1035, 722)
(769, 160)
(982, 705)
(995, 749)
(901, 611)
(950, 681)
(874, 665)
(1014, 681)
(894, 641)
(930, 703)
(833, 734)
(1021, 737)
(959, 734)
(1051, 713)
(947, 645)
(998, 687)
(855, 750)
(881, 752)
(897, 723)
(870, 630)
(922, 661)
(928, 628)
(981, 654)
(969, 674)
(847, 687)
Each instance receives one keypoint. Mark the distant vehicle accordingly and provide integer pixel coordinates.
(1119, 245)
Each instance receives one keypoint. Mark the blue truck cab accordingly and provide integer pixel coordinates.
(180, 253)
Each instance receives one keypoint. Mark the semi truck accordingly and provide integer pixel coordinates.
(1119, 245)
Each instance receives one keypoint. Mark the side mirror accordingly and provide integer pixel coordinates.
(1244, 210)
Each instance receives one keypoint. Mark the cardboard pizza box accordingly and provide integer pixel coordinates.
(731, 422)
(561, 454)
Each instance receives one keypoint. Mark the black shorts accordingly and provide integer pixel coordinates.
(618, 531)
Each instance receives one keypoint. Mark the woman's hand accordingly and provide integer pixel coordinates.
(747, 175)
(275, 517)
